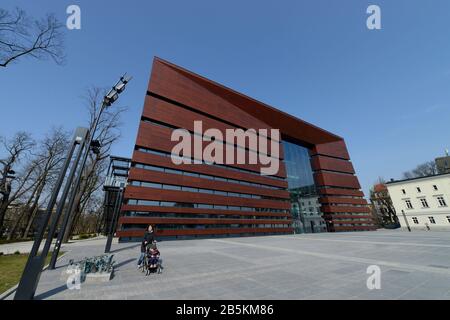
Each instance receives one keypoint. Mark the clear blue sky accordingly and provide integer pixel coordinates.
(386, 92)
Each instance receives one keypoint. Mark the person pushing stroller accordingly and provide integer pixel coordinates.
(149, 238)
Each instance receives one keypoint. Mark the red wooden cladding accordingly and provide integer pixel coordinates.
(173, 81)
(156, 160)
(354, 228)
(345, 216)
(325, 178)
(179, 180)
(144, 193)
(327, 163)
(177, 97)
(339, 209)
(159, 138)
(192, 232)
(184, 221)
(179, 117)
(179, 210)
(350, 221)
(185, 89)
(333, 149)
(341, 192)
(340, 200)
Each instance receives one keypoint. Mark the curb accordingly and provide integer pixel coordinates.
(8, 292)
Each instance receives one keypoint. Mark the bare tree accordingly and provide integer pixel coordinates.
(90, 218)
(382, 203)
(49, 159)
(422, 170)
(107, 133)
(13, 184)
(21, 36)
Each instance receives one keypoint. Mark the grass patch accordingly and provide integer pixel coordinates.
(84, 236)
(11, 268)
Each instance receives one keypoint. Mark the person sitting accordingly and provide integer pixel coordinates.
(154, 254)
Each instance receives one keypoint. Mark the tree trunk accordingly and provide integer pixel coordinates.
(30, 222)
(24, 212)
(13, 230)
(3, 207)
(33, 211)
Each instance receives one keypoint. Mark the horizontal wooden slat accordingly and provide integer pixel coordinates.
(332, 164)
(159, 138)
(335, 149)
(346, 216)
(323, 178)
(182, 180)
(354, 228)
(181, 210)
(342, 200)
(200, 221)
(176, 116)
(143, 193)
(191, 232)
(339, 209)
(156, 160)
(341, 192)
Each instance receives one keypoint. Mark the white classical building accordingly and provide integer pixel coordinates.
(423, 202)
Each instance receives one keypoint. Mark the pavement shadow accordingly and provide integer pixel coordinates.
(62, 266)
(124, 263)
(51, 292)
(126, 248)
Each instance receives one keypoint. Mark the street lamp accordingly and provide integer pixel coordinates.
(33, 268)
(93, 145)
(32, 272)
(113, 94)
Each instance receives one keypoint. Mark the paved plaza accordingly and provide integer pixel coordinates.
(413, 265)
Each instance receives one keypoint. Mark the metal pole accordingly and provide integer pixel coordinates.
(33, 268)
(70, 207)
(57, 246)
(406, 221)
(115, 217)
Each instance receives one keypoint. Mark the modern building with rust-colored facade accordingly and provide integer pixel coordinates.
(314, 190)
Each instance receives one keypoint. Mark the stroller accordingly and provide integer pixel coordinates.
(152, 260)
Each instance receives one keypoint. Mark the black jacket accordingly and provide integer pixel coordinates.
(149, 237)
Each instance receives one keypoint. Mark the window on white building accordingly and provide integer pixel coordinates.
(415, 220)
(408, 204)
(424, 203)
(441, 201)
(435, 187)
(448, 219)
(403, 190)
(418, 189)
(432, 220)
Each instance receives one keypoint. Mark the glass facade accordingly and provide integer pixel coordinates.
(305, 206)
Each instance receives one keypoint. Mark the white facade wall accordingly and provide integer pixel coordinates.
(429, 205)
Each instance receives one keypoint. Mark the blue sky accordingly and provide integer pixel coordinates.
(387, 92)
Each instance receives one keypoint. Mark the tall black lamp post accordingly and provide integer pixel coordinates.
(33, 268)
(95, 146)
(84, 139)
